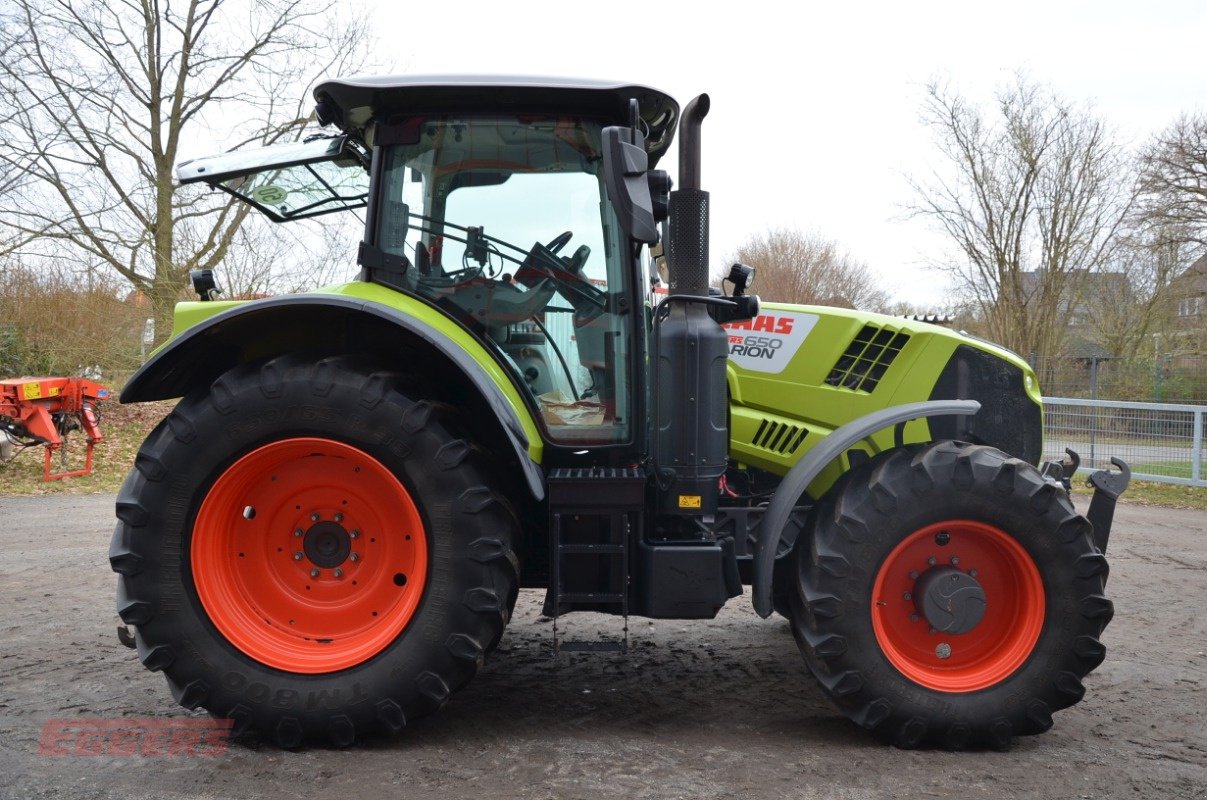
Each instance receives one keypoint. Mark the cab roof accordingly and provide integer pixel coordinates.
(355, 103)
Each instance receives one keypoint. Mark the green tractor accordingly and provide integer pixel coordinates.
(326, 537)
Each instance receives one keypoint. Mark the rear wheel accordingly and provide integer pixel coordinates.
(950, 596)
(307, 550)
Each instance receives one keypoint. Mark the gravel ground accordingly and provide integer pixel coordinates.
(697, 710)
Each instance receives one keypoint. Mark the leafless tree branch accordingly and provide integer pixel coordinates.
(97, 97)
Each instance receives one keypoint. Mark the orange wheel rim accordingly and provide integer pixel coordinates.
(309, 555)
(1014, 607)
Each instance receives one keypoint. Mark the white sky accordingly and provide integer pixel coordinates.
(815, 106)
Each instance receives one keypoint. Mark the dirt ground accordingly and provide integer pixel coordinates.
(721, 709)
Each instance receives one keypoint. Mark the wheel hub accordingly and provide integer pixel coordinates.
(950, 600)
(958, 605)
(327, 544)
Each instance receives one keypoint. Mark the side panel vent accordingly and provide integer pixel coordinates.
(867, 358)
(779, 437)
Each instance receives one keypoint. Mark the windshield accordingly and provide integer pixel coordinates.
(504, 222)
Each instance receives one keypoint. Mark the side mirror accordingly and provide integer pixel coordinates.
(625, 165)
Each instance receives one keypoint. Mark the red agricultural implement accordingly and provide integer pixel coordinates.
(44, 411)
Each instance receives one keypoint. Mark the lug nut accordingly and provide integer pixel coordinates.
(354, 557)
(314, 573)
(932, 561)
(297, 556)
(339, 573)
(913, 576)
(298, 532)
(955, 561)
(907, 597)
(315, 517)
(354, 534)
(972, 573)
(913, 617)
(943, 650)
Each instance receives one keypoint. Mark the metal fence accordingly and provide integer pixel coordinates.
(1159, 441)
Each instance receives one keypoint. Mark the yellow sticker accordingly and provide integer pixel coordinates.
(55, 391)
(32, 391)
(690, 501)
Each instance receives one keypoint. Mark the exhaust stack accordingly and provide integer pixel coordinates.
(687, 250)
(691, 414)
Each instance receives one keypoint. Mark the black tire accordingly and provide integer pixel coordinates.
(858, 530)
(472, 571)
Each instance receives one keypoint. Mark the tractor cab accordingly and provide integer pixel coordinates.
(498, 214)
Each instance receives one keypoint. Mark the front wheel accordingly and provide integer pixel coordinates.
(950, 596)
(312, 553)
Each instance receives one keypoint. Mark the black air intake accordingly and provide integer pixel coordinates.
(867, 358)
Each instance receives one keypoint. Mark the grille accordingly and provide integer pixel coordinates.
(779, 437)
(867, 358)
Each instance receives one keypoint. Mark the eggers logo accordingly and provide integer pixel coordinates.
(772, 341)
(134, 737)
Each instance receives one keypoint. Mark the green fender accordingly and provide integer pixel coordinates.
(211, 338)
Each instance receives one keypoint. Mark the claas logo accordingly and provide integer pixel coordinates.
(763, 322)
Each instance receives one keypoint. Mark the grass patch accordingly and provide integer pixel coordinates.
(124, 428)
(1174, 469)
(1170, 495)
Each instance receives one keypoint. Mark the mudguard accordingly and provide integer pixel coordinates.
(802, 474)
(196, 356)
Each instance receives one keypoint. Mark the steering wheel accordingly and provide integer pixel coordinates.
(558, 242)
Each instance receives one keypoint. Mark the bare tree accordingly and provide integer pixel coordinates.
(1173, 181)
(267, 258)
(1032, 197)
(796, 267)
(97, 99)
(1131, 302)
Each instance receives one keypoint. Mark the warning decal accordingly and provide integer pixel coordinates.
(769, 341)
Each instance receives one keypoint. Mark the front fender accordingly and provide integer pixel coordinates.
(804, 471)
(342, 322)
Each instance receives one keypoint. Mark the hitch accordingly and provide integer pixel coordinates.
(1107, 487)
(1061, 471)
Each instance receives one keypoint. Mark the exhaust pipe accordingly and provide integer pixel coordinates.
(689, 141)
(687, 250)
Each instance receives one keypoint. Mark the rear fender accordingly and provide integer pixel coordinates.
(335, 324)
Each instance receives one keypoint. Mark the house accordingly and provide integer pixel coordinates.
(1083, 292)
(1188, 299)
